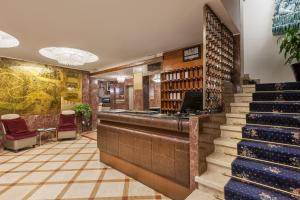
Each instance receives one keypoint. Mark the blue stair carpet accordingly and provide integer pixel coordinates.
(236, 190)
(283, 107)
(272, 134)
(274, 119)
(278, 86)
(270, 152)
(276, 176)
(274, 105)
(277, 96)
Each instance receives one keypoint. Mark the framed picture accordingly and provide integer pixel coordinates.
(191, 53)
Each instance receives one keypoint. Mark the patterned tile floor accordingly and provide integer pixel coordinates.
(66, 170)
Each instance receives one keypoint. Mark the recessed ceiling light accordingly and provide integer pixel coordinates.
(7, 41)
(69, 56)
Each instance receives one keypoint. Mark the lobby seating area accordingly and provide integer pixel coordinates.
(149, 100)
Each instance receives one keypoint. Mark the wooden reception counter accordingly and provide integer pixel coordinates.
(159, 151)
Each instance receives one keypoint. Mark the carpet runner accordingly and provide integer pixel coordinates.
(268, 166)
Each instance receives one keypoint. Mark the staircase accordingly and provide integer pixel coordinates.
(267, 118)
(211, 183)
(268, 165)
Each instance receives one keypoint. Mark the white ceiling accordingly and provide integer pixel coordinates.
(115, 30)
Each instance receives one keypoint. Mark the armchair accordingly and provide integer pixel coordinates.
(16, 134)
(67, 125)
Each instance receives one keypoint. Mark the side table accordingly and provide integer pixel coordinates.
(43, 131)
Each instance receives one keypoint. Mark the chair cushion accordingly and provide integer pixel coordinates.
(70, 127)
(66, 119)
(15, 126)
(19, 136)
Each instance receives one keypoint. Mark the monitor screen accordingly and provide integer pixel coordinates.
(192, 102)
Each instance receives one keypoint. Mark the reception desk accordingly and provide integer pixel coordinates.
(159, 151)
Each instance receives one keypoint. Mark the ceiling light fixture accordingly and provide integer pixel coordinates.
(7, 40)
(69, 56)
(156, 78)
(121, 79)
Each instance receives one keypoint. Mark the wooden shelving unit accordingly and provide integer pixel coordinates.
(219, 60)
(174, 83)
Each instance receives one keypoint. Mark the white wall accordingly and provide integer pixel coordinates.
(261, 57)
(233, 9)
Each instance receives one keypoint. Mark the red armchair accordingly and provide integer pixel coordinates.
(67, 125)
(16, 134)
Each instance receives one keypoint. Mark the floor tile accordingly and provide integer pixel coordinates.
(5, 158)
(110, 190)
(73, 165)
(16, 192)
(79, 190)
(67, 151)
(27, 167)
(7, 166)
(62, 176)
(89, 175)
(36, 151)
(139, 189)
(22, 158)
(11, 177)
(95, 165)
(35, 177)
(82, 157)
(79, 145)
(88, 150)
(48, 191)
(61, 157)
(41, 158)
(112, 174)
(51, 166)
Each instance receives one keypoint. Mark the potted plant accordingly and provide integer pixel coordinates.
(84, 111)
(290, 46)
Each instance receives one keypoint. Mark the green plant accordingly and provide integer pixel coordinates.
(84, 110)
(290, 45)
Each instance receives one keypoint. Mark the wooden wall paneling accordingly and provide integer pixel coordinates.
(174, 60)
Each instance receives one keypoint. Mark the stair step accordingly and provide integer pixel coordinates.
(274, 119)
(248, 88)
(278, 86)
(202, 194)
(285, 107)
(212, 180)
(236, 118)
(220, 160)
(226, 145)
(236, 190)
(270, 152)
(266, 174)
(227, 127)
(272, 134)
(242, 97)
(232, 133)
(239, 107)
(277, 96)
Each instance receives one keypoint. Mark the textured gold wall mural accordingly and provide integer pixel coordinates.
(71, 88)
(28, 88)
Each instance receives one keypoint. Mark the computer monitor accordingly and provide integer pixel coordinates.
(192, 102)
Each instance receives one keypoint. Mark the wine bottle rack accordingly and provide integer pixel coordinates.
(219, 61)
(174, 83)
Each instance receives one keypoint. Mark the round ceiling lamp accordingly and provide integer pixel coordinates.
(7, 40)
(69, 56)
(120, 79)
